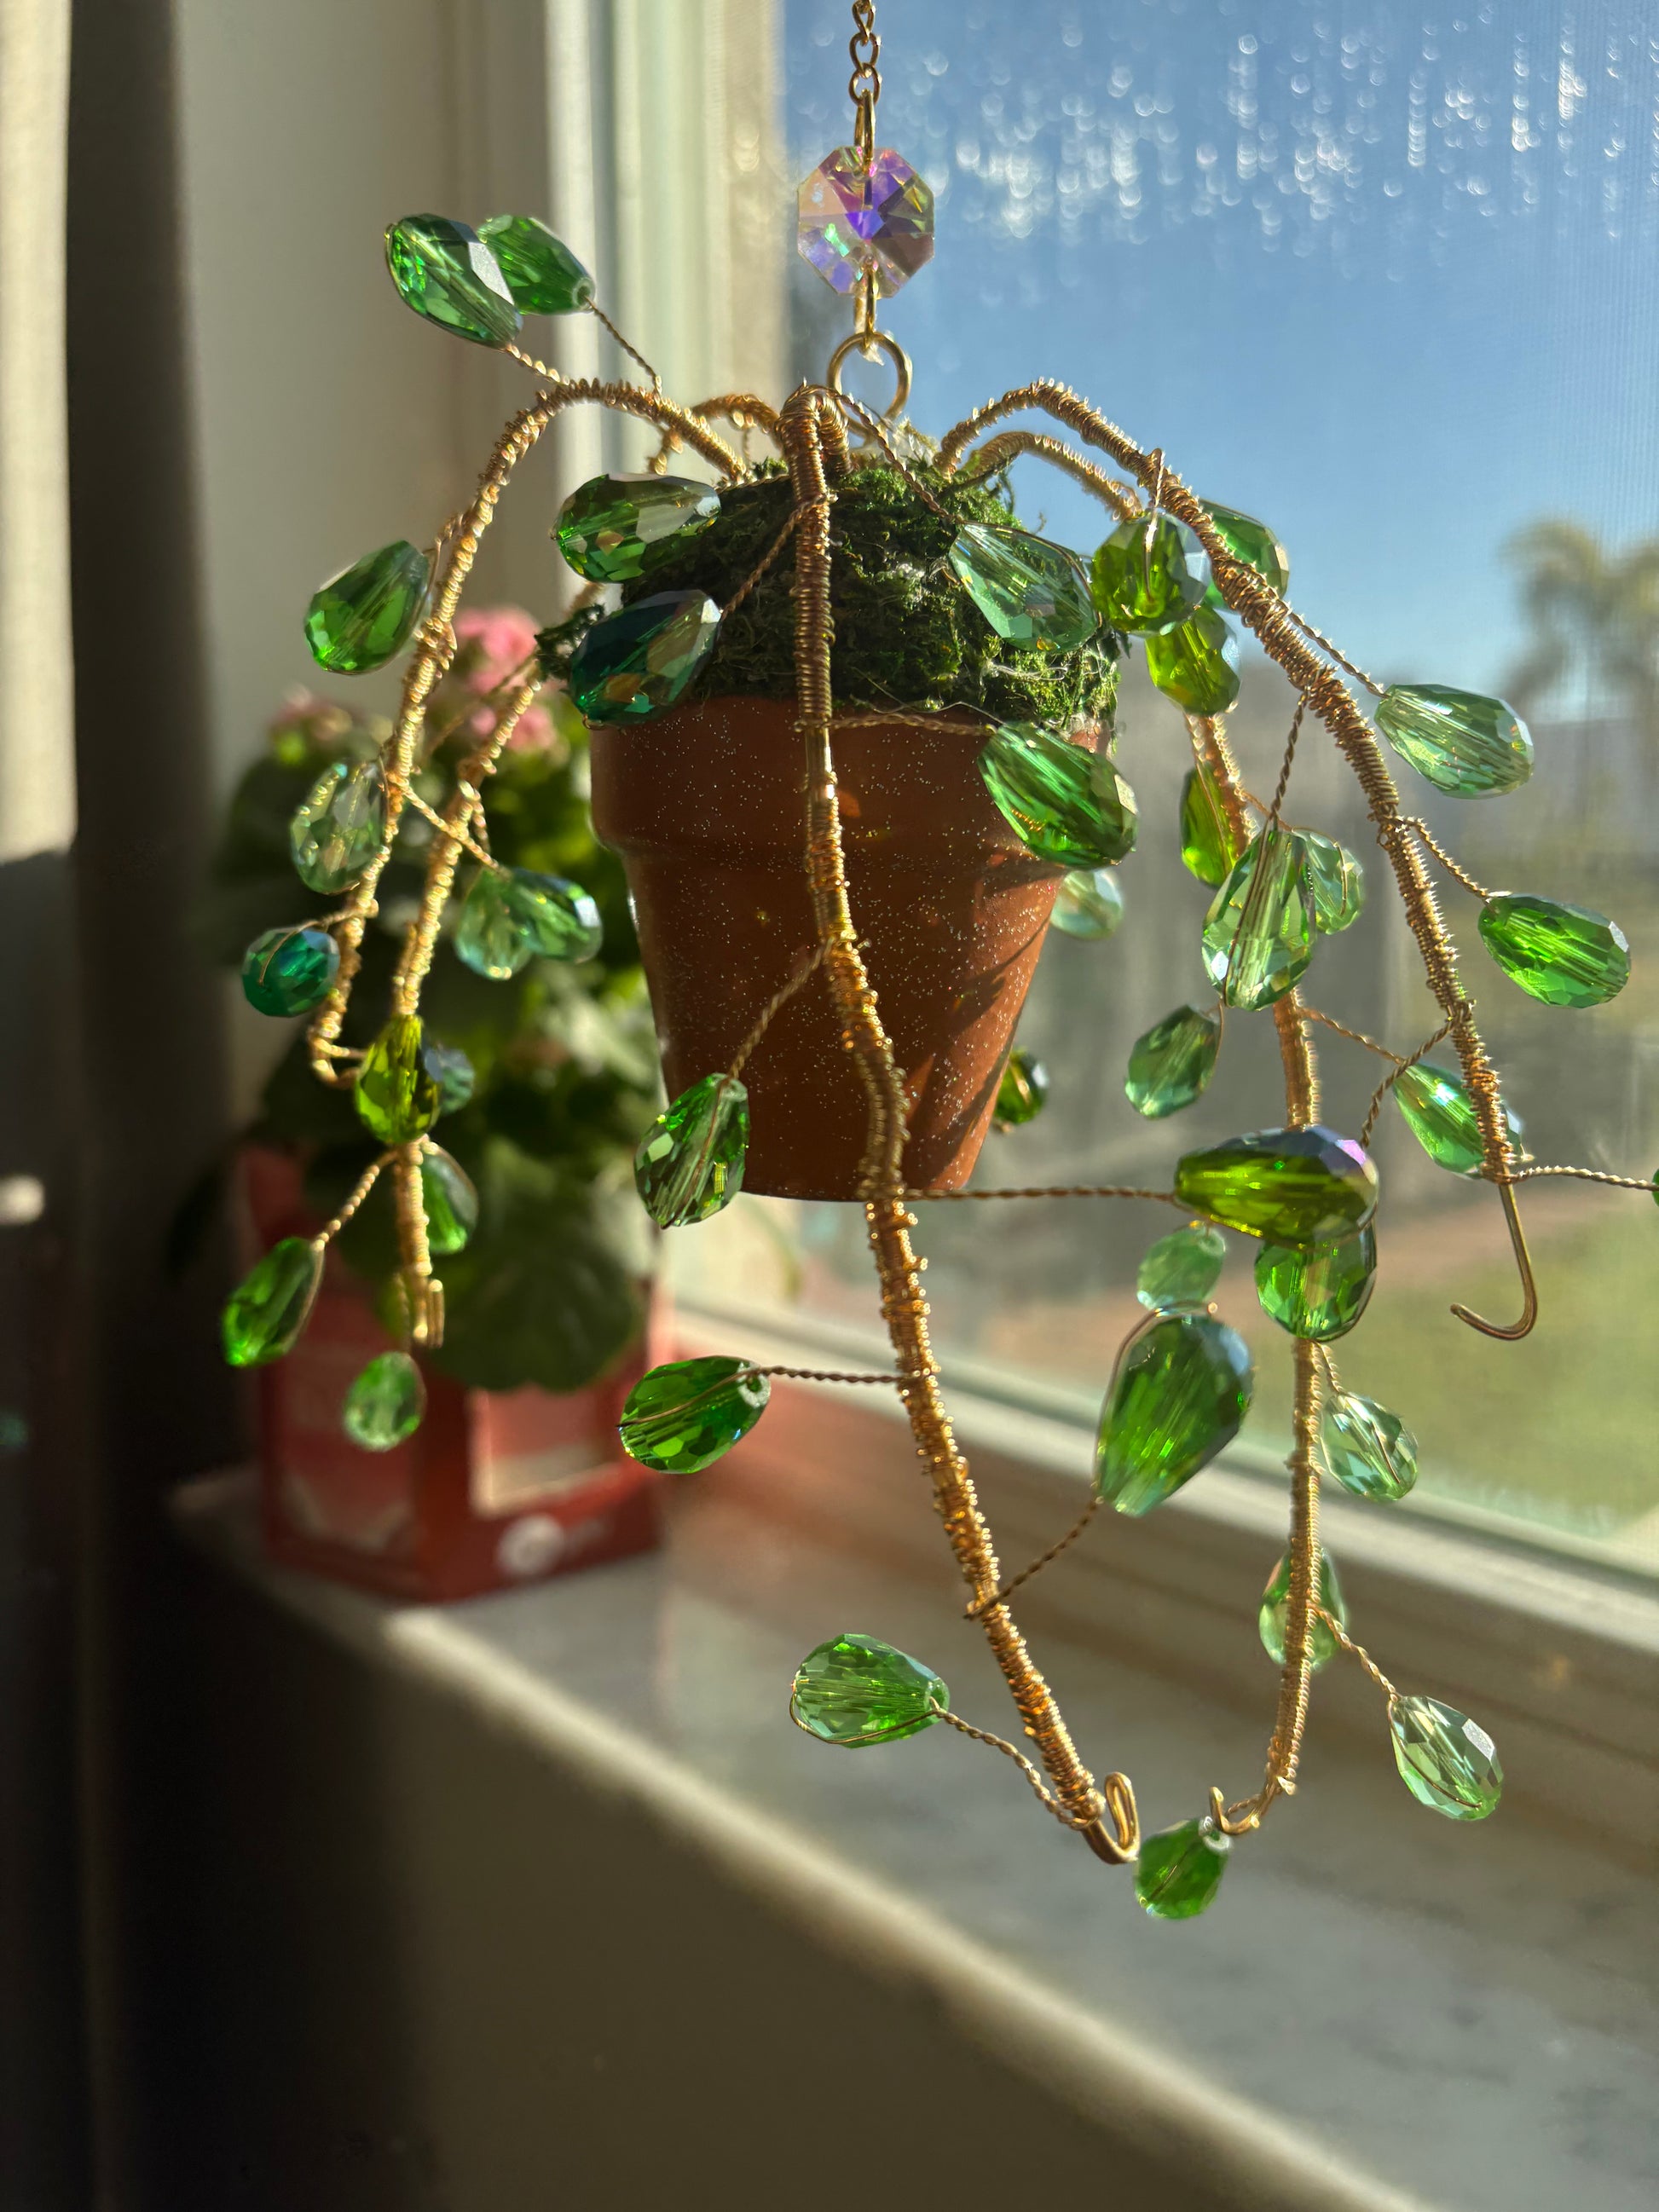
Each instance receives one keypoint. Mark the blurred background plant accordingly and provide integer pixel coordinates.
(550, 1287)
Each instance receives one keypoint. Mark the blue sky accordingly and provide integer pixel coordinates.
(1386, 275)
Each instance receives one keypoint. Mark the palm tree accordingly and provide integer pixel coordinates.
(1594, 613)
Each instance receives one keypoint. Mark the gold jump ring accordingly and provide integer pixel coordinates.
(867, 342)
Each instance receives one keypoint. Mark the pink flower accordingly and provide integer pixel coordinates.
(533, 731)
(502, 638)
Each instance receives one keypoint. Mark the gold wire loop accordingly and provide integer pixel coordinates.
(869, 343)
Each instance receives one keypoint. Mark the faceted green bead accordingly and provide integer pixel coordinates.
(1258, 934)
(263, 1316)
(1289, 1186)
(1178, 1870)
(1317, 1291)
(1251, 542)
(1169, 1066)
(1182, 1268)
(1439, 1111)
(288, 971)
(689, 1161)
(1447, 1761)
(1367, 1448)
(1069, 806)
(1022, 1092)
(1030, 591)
(1196, 663)
(688, 1413)
(488, 938)
(452, 1071)
(858, 1690)
(339, 826)
(542, 273)
(396, 1098)
(1088, 904)
(359, 618)
(615, 528)
(1182, 1387)
(1149, 578)
(514, 916)
(1209, 850)
(445, 272)
(640, 659)
(1338, 880)
(386, 1404)
(1276, 1606)
(452, 1203)
(1460, 742)
(1564, 955)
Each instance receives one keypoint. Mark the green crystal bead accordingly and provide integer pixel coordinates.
(1276, 1605)
(511, 916)
(452, 1203)
(1068, 805)
(858, 1690)
(1338, 881)
(1367, 1448)
(687, 1413)
(615, 528)
(288, 971)
(1182, 1387)
(1251, 542)
(264, 1314)
(543, 275)
(1461, 742)
(396, 1098)
(1564, 955)
(1022, 1092)
(445, 272)
(1030, 591)
(1447, 1761)
(1088, 904)
(1209, 850)
(452, 1071)
(1288, 1186)
(1196, 663)
(1182, 1268)
(359, 619)
(386, 1404)
(689, 1161)
(1317, 1291)
(640, 659)
(1258, 934)
(339, 826)
(1439, 1111)
(1179, 1869)
(1149, 580)
(1169, 1066)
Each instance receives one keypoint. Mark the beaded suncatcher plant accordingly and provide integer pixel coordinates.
(1171, 571)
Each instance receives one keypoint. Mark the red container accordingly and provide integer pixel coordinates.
(494, 1488)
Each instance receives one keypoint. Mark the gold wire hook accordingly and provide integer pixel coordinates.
(1528, 1284)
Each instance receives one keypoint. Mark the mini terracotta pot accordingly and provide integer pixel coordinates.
(706, 807)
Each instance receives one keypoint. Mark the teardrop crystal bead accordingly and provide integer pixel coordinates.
(452, 1202)
(1209, 850)
(689, 1161)
(1180, 1389)
(1438, 1110)
(1182, 1268)
(395, 1097)
(615, 528)
(386, 1404)
(1022, 1092)
(1150, 575)
(687, 1413)
(1275, 1611)
(511, 916)
(445, 272)
(1178, 1870)
(1196, 663)
(1170, 1065)
(452, 1071)
(1030, 591)
(643, 658)
(1367, 1448)
(1566, 955)
(856, 1690)
(1258, 934)
(1068, 805)
(1288, 1186)
(1251, 542)
(1447, 1761)
(266, 1311)
(1088, 904)
(359, 619)
(1461, 742)
(290, 971)
(1338, 882)
(543, 275)
(339, 826)
(1317, 1292)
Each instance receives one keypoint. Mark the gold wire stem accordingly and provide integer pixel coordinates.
(1026, 1767)
(1354, 1036)
(741, 409)
(779, 999)
(1512, 1222)
(1589, 1175)
(1041, 1190)
(1393, 1077)
(1359, 1651)
(450, 830)
(1459, 874)
(997, 452)
(364, 1184)
(423, 1293)
(820, 1375)
(632, 351)
(761, 567)
(1043, 1559)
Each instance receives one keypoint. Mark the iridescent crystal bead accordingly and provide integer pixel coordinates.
(1068, 804)
(1317, 1291)
(640, 659)
(290, 971)
(1251, 542)
(1461, 742)
(854, 217)
(513, 915)
(339, 826)
(613, 529)
(687, 1413)
(1439, 1108)
(1367, 1448)
(1338, 881)
(541, 272)
(1170, 1065)
(1030, 591)
(1447, 1761)
(1196, 663)
(1182, 1268)
(1022, 1092)
(385, 1403)
(395, 1097)
(689, 1161)
(359, 619)
(452, 1071)
(266, 1311)
(1566, 955)
(1178, 1870)
(452, 1202)
(1258, 934)
(1149, 577)
(1182, 1387)
(1276, 1605)
(1088, 904)
(445, 272)
(1288, 1186)
(1209, 848)
(856, 1690)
